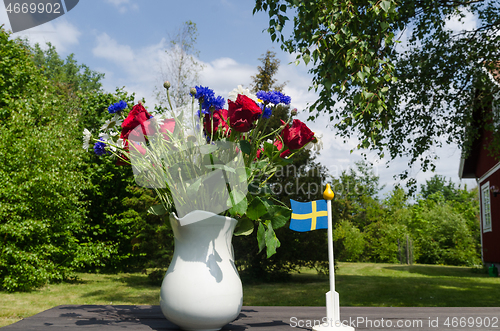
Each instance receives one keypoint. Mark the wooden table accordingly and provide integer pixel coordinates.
(93, 317)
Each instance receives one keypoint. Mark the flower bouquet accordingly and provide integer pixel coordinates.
(209, 166)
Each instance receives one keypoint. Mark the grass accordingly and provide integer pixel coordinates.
(359, 284)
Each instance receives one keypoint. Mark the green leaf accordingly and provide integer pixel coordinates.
(257, 208)
(246, 147)
(157, 210)
(306, 58)
(361, 75)
(272, 242)
(244, 227)
(367, 94)
(261, 236)
(278, 215)
(241, 205)
(269, 149)
(385, 5)
(259, 165)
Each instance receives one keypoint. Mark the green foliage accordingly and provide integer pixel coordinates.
(349, 242)
(41, 210)
(382, 245)
(442, 230)
(67, 75)
(405, 99)
(443, 235)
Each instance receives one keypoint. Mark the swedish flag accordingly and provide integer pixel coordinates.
(308, 216)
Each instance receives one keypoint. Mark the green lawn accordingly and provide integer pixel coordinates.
(359, 284)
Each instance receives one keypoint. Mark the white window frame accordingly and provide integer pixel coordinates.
(486, 207)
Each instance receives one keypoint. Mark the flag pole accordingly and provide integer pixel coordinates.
(332, 297)
(328, 196)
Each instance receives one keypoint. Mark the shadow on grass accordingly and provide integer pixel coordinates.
(437, 271)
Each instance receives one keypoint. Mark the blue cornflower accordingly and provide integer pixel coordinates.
(207, 99)
(216, 102)
(264, 96)
(267, 112)
(100, 147)
(285, 98)
(203, 92)
(116, 107)
(274, 97)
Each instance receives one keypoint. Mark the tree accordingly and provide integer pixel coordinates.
(181, 67)
(67, 75)
(41, 211)
(408, 81)
(438, 184)
(442, 234)
(263, 80)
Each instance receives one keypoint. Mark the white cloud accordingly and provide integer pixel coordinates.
(123, 5)
(138, 69)
(224, 74)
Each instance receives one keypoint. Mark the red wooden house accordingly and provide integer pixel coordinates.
(479, 164)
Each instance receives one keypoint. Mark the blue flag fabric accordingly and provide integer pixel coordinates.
(308, 216)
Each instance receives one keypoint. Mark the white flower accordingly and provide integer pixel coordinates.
(316, 144)
(114, 121)
(233, 95)
(104, 136)
(86, 139)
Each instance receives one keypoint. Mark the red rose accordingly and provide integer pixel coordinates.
(259, 153)
(297, 136)
(168, 125)
(137, 116)
(243, 113)
(219, 120)
(279, 144)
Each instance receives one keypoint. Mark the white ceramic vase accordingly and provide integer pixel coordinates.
(202, 289)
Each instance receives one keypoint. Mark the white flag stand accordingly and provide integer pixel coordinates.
(332, 297)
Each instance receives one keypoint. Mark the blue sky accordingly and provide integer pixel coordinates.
(126, 39)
